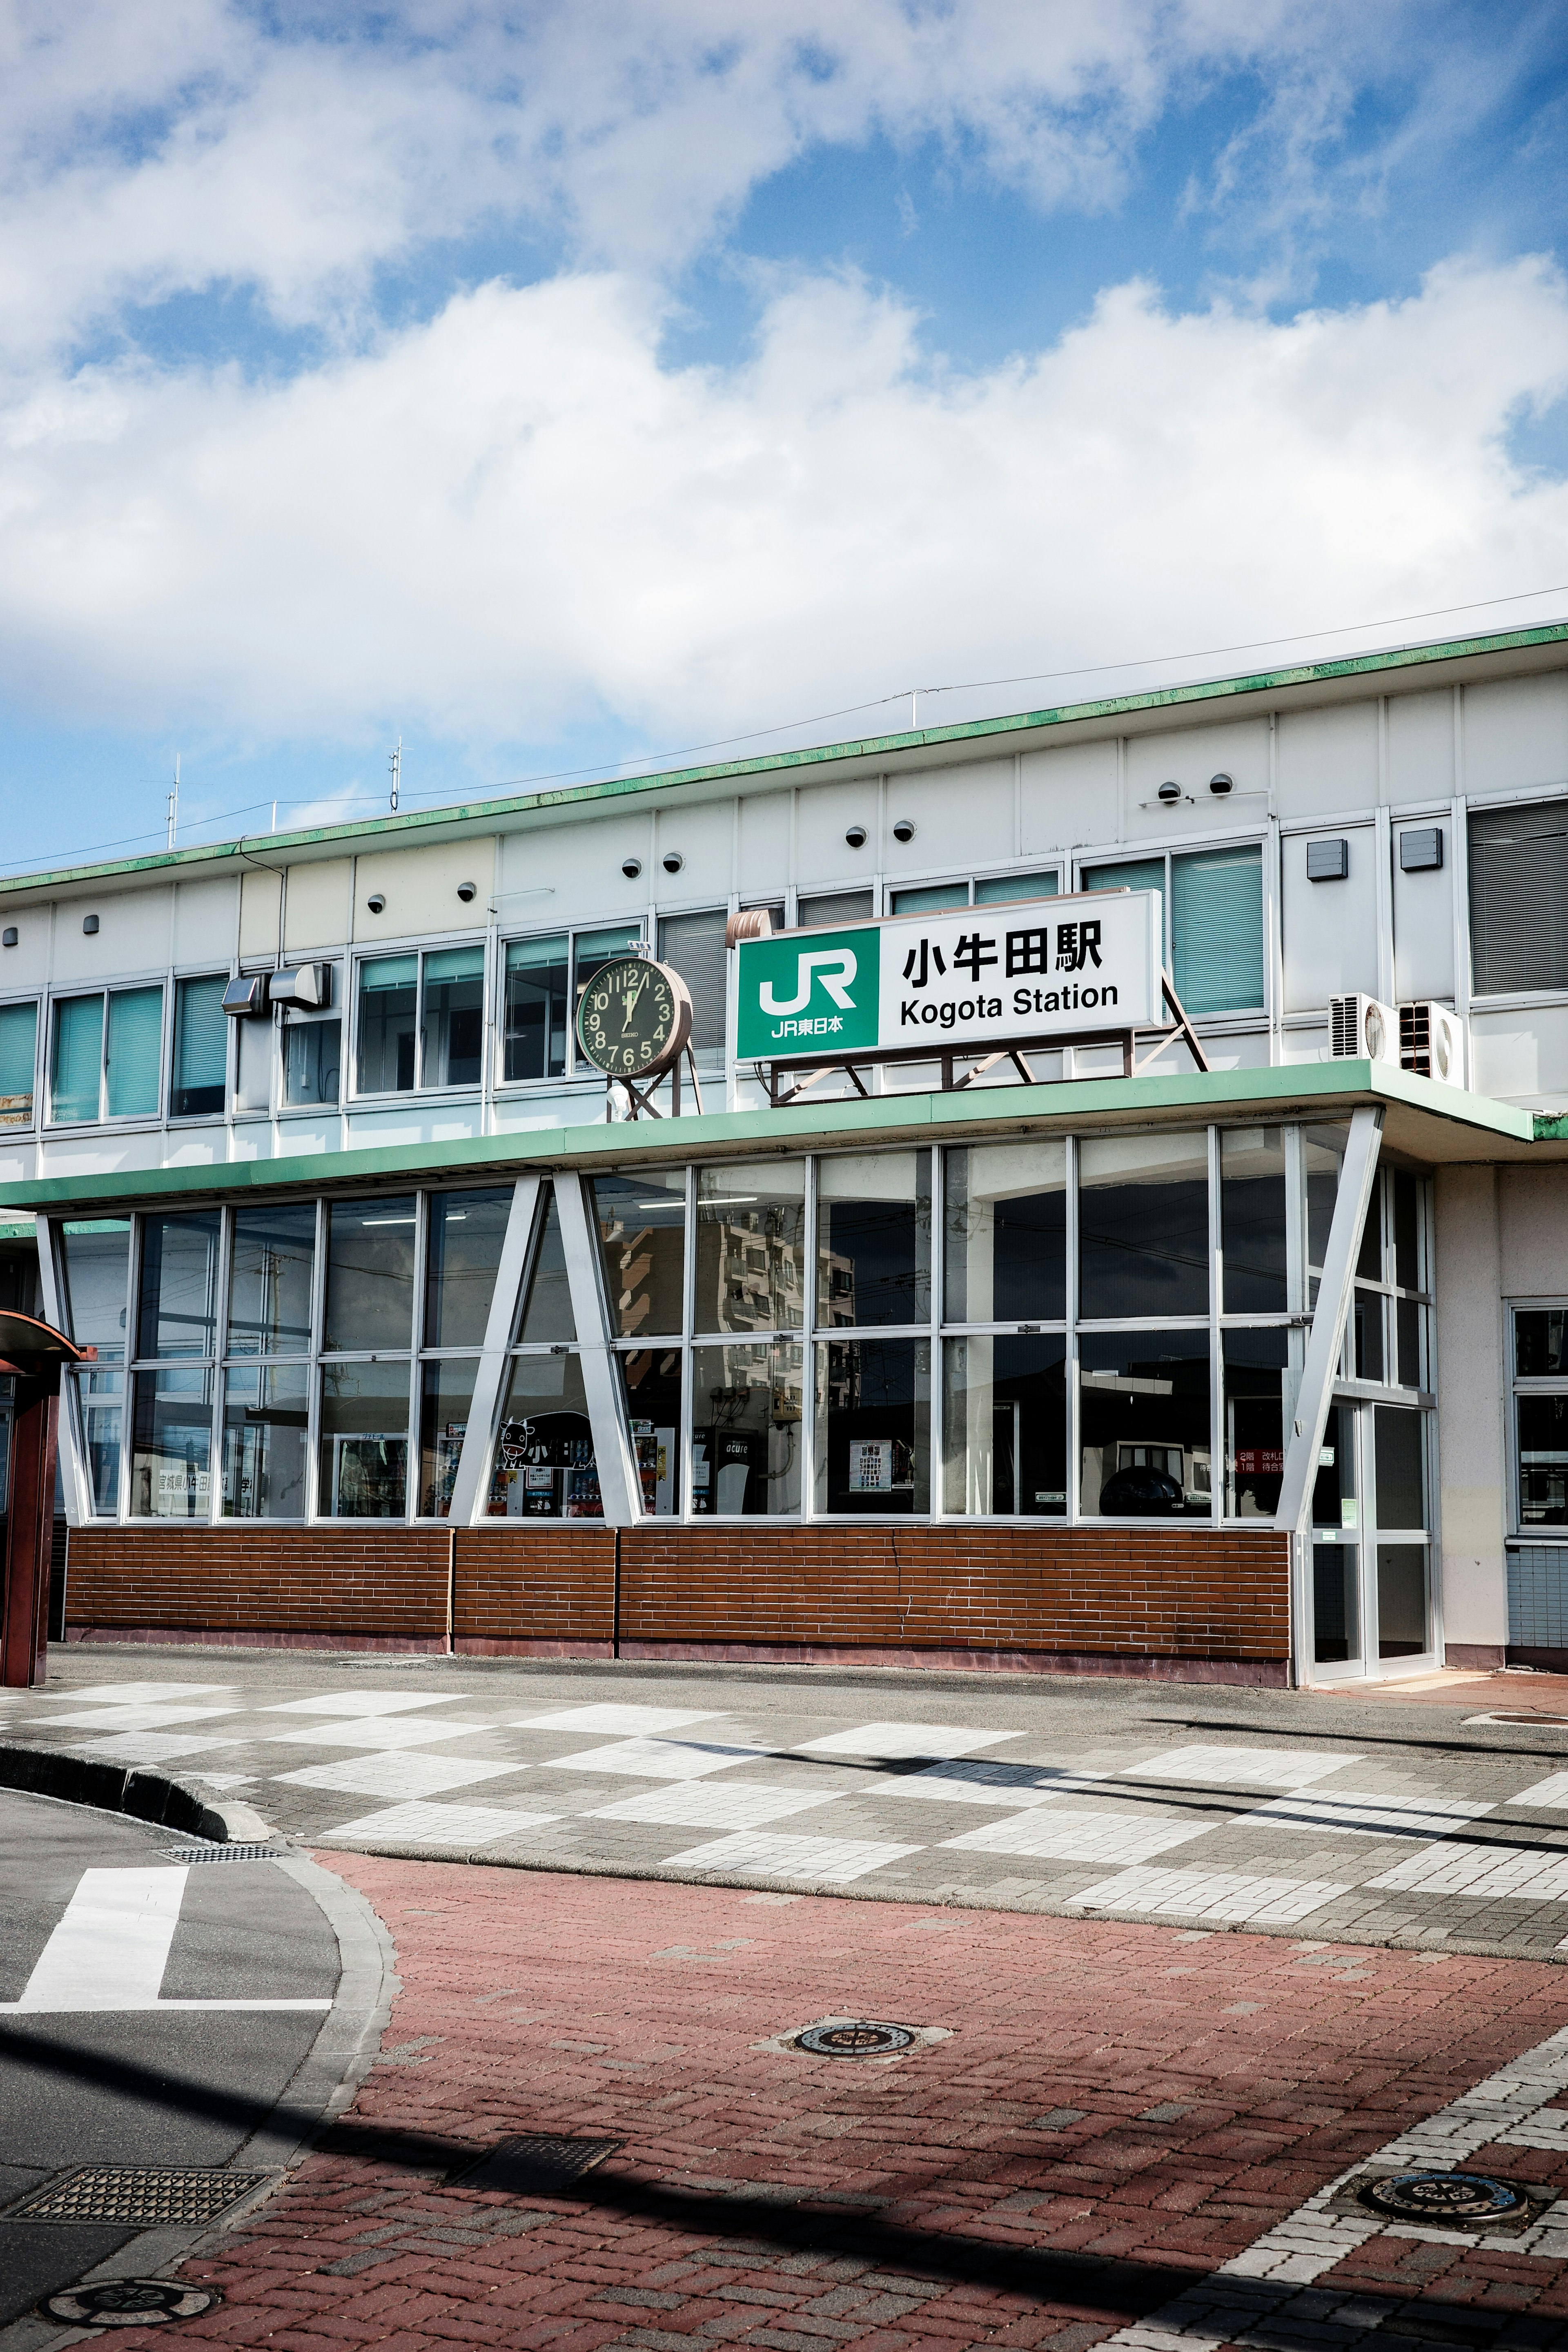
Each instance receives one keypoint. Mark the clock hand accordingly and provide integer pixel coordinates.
(630, 1002)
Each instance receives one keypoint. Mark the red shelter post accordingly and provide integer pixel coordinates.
(33, 1353)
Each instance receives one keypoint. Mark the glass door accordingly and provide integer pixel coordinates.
(1370, 1596)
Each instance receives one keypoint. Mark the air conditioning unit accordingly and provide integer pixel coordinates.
(1432, 1043)
(1362, 1029)
(308, 986)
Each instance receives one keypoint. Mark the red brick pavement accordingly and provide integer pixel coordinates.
(1117, 2110)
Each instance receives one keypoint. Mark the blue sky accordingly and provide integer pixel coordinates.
(561, 386)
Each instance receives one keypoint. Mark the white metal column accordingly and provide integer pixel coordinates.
(619, 1486)
(71, 1444)
(469, 1487)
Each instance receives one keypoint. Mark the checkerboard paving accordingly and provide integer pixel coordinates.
(897, 1739)
(145, 1717)
(460, 1826)
(655, 1759)
(133, 1748)
(397, 1776)
(608, 1716)
(375, 1731)
(985, 1780)
(1550, 1795)
(1226, 1894)
(1079, 1837)
(363, 1702)
(130, 1693)
(1252, 1768)
(1356, 1812)
(709, 1805)
(1483, 1874)
(831, 1862)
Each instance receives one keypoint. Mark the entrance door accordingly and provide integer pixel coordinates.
(1370, 1596)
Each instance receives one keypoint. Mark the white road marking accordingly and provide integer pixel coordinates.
(608, 1717)
(837, 1860)
(111, 1946)
(1257, 1768)
(1078, 1837)
(709, 1805)
(896, 1740)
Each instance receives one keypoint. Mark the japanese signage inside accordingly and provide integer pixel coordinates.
(977, 976)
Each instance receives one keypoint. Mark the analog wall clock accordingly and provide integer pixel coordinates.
(633, 1018)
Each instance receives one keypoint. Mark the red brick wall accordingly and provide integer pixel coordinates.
(551, 1587)
(357, 1581)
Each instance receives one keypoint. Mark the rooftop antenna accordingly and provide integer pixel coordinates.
(396, 764)
(175, 803)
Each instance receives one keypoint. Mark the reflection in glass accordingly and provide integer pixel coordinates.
(1005, 1233)
(100, 1392)
(178, 1315)
(747, 1404)
(1335, 1492)
(201, 1049)
(95, 1256)
(170, 1444)
(266, 1424)
(452, 1028)
(536, 1007)
(1255, 1368)
(1252, 1219)
(651, 1379)
(873, 1238)
(1322, 1157)
(1369, 1257)
(873, 1426)
(642, 1236)
(388, 1005)
(1410, 1321)
(463, 1251)
(1336, 1628)
(18, 1056)
(363, 1441)
(544, 1467)
(1542, 1426)
(1540, 1342)
(547, 1311)
(1406, 1230)
(270, 1280)
(312, 1053)
(1143, 1416)
(1367, 1317)
(1004, 1434)
(370, 1274)
(1401, 1600)
(446, 1392)
(592, 950)
(1143, 1225)
(751, 1247)
(1401, 1485)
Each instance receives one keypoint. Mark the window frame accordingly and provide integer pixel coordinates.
(350, 1090)
(1546, 1384)
(576, 1071)
(40, 1041)
(117, 1120)
(179, 980)
(1244, 1017)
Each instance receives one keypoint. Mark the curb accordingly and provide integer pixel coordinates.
(143, 1796)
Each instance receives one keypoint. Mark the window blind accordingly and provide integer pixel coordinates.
(1216, 924)
(1519, 899)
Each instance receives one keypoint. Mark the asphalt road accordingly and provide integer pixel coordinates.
(103, 1938)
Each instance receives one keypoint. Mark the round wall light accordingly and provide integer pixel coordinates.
(631, 867)
(376, 902)
(673, 861)
(904, 830)
(856, 836)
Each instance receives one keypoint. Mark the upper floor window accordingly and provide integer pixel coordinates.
(106, 1058)
(1540, 1418)
(991, 889)
(18, 1056)
(421, 1020)
(1213, 900)
(1519, 899)
(693, 945)
(545, 979)
(201, 1048)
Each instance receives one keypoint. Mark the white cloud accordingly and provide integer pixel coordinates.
(516, 517)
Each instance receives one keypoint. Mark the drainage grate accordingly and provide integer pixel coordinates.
(226, 1853)
(860, 2040)
(129, 2303)
(533, 2164)
(1438, 2197)
(140, 2194)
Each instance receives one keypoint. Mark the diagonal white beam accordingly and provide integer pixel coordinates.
(472, 1483)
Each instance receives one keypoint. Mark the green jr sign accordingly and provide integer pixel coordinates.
(809, 991)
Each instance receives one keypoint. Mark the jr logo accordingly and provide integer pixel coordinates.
(836, 968)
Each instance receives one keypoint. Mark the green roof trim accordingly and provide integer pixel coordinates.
(254, 847)
(1319, 1088)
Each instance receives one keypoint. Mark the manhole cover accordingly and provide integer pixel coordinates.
(858, 2041)
(129, 2303)
(137, 2193)
(1444, 2197)
(226, 1853)
(536, 2164)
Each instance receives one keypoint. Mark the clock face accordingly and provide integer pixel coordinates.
(633, 1018)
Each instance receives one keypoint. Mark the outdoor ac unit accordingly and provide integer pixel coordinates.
(309, 986)
(1360, 1029)
(1432, 1043)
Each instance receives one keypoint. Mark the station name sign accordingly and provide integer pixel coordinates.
(974, 976)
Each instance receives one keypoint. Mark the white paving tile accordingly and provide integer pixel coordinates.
(367, 1702)
(396, 1776)
(611, 1718)
(1483, 1874)
(1210, 1895)
(453, 1825)
(709, 1805)
(127, 1718)
(895, 1739)
(152, 1746)
(654, 1760)
(984, 1781)
(375, 1731)
(1366, 1812)
(1252, 1768)
(226, 1780)
(139, 1694)
(1548, 1796)
(761, 1855)
(1057, 1836)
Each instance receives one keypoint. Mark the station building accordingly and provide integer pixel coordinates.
(1242, 1359)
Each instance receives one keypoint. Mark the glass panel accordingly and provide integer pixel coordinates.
(178, 1314)
(265, 1439)
(96, 1264)
(171, 1453)
(873, 1238)
(1518, 898)
(932, 898)
(1369, 1257)
(1143, 1229)
(1322, 1157)
(201, 1048)
(1137, 874)
(388, 1000)
(313, 1056)
(873, 1426)
(1411, 1320)
(751, 1247)
(135, 1051)
(998, 887)
(1216, 930)
(18, 1055)
(747, 1405)
(544, 1467)
(642, 1236)
(1005, 1433)
(1368, 1334)
(76, 1064)
(1336, 1613)
(1400, 1500)
(1401, 1601)
(446, 1393)
(592, 950)
(548, 1313)
(1335, 1494)
(1252, 1219)
(1007, 1233)
(370, 1274)
(253, 1064)
(1541, 1422)
(1541, 1342)
(693, 945)
(1143, 1417)
(270, 1280)
(827, 906)
(1406, 1230)
(466, 1229)
(1255, 1363)
(651, 1379)
(364, 1441)
(536, 1007)
(100, 1392)
(453, 1027)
